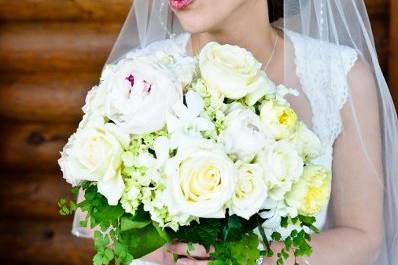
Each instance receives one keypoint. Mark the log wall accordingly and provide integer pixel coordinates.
(51, 53)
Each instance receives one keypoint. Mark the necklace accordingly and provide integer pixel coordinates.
(272, 54)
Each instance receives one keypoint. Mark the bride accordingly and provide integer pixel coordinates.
(324, 49)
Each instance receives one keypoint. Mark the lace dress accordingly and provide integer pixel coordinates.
(324, 85)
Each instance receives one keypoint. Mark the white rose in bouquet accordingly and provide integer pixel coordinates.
(311, 192)
(201, 179)
(281, 120)
(243, 135)
(307, 143)
(282, 166)
(93, 153)
(140, 92)
(95, 100)
(232, 71)
(251, 190)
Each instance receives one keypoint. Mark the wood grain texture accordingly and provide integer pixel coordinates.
(40, 47)
(34, 198)
(42, 243)
(32, 147)
(71, 10)
(56, 97)
(393, 55)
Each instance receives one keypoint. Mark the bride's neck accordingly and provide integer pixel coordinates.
(248, 27)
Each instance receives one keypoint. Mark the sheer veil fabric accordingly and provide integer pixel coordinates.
(372, 119)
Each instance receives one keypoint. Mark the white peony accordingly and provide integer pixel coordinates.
(243, 134)
(231, 71)
(307, 143)
(282, 166)
(311, 192)
(93, 153)
(201, 179)
(250, 192)
(280, 120)
(140, 92)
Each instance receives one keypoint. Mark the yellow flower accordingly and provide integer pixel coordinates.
(311, 192)
(281, 120)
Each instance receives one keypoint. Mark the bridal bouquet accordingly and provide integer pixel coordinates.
(199, 149)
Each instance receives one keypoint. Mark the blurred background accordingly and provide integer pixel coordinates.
(51, 53)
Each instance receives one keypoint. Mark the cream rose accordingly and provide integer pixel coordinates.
(307, 143)
(231, 71)
(281, 120)
(311, 192)
(282, 166)
(93, 153)
(201, 179)
(140, 92)
(243, 135)
(250, 192)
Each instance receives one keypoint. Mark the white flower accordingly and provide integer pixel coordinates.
(140, 92)
(95, 100)
(307, 143)
(243, 135)
(311, 192)
(201, 179)
(280, 120)
(282, 166)
(250, 192)
(185, 68)
(93, 153)
(186, 119)
(231, 70)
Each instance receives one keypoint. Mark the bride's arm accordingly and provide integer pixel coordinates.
(357, 193)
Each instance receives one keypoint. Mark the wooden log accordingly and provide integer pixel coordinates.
(39, 47)
(28, 10)
(377, 7)
(393, 57)
(42, 243)
(381, 36)
(32, 196)
(27, 147)
(45, 97)
(104, 10)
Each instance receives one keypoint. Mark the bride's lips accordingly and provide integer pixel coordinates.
(180, 4)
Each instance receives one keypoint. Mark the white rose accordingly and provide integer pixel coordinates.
(95, 100)
(201, 179)
(281, 120)
(93, 153)
(307, 143)
(250, 192)
(231, 70)
(140, 93)
(243, 135)
(282, 166)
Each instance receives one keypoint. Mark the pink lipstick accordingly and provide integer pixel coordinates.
(180, 4)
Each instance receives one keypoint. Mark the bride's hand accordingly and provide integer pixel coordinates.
(197, 256)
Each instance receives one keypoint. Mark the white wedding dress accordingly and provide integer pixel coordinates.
(325, 89)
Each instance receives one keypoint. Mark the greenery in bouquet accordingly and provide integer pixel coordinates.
(199, 149)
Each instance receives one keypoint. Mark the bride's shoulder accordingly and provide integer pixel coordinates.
(312, 50)
(175, 45)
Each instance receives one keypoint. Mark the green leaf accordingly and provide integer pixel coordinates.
(204, 233)
(143, 241)
(127, 224)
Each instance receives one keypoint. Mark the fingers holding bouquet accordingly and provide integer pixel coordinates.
(189, 254)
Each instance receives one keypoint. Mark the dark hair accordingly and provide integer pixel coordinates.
(275, 9)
